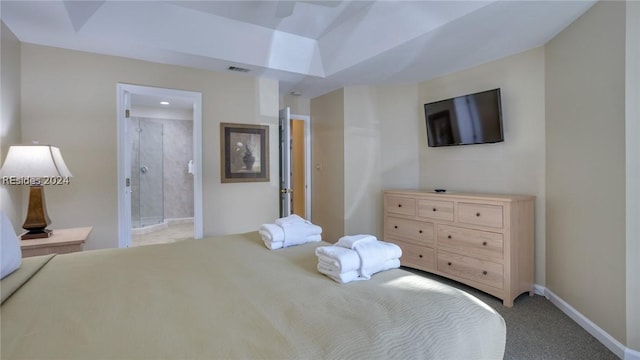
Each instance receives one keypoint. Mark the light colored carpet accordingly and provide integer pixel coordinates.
(537, 329)
(173, 233)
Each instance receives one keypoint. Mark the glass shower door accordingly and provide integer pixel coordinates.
(147, 200)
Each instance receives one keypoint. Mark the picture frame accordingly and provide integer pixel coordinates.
(244, 153)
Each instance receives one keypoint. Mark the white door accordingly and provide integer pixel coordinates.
(285, 162)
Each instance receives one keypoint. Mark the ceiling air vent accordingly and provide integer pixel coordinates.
(239, 69)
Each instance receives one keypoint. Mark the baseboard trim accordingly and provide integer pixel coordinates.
(607, 340)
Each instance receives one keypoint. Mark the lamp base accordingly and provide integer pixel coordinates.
(37, 218)
(36, 234)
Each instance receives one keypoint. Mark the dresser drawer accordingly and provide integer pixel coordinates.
(400, 205)
(482, 244)
(416, 232)
(435, 209)
(485, 272)
(419, 257)
(480, 214)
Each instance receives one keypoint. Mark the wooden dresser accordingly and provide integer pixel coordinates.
(485, 241)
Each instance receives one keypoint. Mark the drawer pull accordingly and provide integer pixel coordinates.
(484, 243)
(484, 272)
(395, 226)
(434, 209)
(478, 214)
(420, 231)
(399, 205)
(449, 237)
(420, 256)
(449, 263)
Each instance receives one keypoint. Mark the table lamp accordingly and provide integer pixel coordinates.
(35, 165)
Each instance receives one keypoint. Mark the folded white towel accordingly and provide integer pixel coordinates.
(368, 257)
(295, 233)
(374, 253)
(335, 264)
(289, 233)
(343, 259)
(339, 277)
(328, 268)
(346, 277)
(349, 241)
(293, 218)
(271, 232)
(274, 245)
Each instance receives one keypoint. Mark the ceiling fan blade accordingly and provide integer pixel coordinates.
(284, 8)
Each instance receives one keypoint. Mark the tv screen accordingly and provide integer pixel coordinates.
(464, 120)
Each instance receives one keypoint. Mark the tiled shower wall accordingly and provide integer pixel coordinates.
(177, 151)
(178, 183)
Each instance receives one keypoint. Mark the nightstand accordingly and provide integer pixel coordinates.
(61, 241)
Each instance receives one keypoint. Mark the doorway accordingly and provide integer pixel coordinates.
(295, 164)
(147, 166)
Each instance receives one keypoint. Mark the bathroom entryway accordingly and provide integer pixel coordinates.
(160, 185)
(161, 134)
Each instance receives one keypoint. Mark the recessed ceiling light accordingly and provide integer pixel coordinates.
(164, 103)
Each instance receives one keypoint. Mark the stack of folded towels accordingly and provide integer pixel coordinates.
(289, 231)
(357, 257)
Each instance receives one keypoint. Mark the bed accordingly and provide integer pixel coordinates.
(231, 298)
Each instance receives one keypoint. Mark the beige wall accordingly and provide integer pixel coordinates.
(585, 97)
(69, 100)
(379, 152)
(400, 121)
(367, 135)
(10, 129)
(632, 129)
(362, 151)
(327, 164)
(514, 166)
(298, 104)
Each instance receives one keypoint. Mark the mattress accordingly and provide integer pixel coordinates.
(230, 297)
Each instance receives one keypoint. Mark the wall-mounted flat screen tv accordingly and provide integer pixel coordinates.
(464, 120)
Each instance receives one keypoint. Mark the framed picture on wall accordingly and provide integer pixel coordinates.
(244, 152)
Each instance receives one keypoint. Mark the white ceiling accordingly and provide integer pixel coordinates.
(311, 47)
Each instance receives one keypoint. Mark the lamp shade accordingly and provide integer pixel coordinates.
(34, 161)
